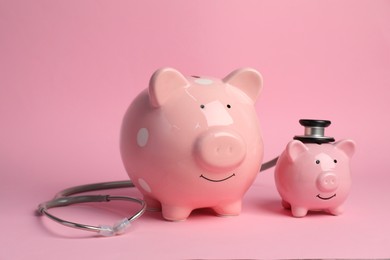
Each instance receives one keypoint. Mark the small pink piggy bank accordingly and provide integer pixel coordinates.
(194, 142)
(314, 175)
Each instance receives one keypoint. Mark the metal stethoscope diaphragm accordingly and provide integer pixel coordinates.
(314, 131)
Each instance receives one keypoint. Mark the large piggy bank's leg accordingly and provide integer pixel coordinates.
(286, 205)
(298, 211)
(152, 204)
(229, 209)
(336, 211)
(175, 213)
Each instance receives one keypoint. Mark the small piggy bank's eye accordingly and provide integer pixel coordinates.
(335, 161)
(229, 106)
(202, 106)
(317, 161)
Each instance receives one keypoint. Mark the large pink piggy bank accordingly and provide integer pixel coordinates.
(312, 176)
(194, 142)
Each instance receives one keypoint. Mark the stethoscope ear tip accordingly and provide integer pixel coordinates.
(118, 228)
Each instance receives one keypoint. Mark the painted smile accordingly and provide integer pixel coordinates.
(218, 180)
(326, 198)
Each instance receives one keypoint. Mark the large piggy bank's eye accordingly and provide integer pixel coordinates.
(335, 161)
(229, 106)
(317, 161)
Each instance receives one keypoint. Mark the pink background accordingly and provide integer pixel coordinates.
(69, 69)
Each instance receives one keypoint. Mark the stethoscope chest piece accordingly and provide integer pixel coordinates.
(314, 131)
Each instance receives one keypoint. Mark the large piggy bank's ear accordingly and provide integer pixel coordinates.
(294, 149)
(163, 82)
(248, 80)
(347, 146)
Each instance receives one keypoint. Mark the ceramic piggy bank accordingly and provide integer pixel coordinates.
(314, 176)
(194, 142)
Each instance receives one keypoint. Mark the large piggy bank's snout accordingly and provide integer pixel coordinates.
(219, 151)
(327, 181)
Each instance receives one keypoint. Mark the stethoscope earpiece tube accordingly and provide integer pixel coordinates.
(95, 187)
(104, 230)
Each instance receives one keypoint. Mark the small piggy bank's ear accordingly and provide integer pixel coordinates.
(294, 149)
(248, 80)
(347, 146)
(163, 82)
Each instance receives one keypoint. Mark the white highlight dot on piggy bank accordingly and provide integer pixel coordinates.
(142, 137)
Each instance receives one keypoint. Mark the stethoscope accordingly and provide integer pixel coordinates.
(314, 133)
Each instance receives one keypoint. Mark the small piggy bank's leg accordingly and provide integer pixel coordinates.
(229, 209)
(336, 211)
(298, 211)
(175, 213)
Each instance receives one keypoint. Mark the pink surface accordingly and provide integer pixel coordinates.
(69, 69)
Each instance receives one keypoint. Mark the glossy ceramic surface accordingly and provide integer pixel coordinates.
(313, 176)
(194, 142)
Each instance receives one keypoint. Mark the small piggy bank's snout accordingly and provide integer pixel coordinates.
(219, 151)
(327, 181)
